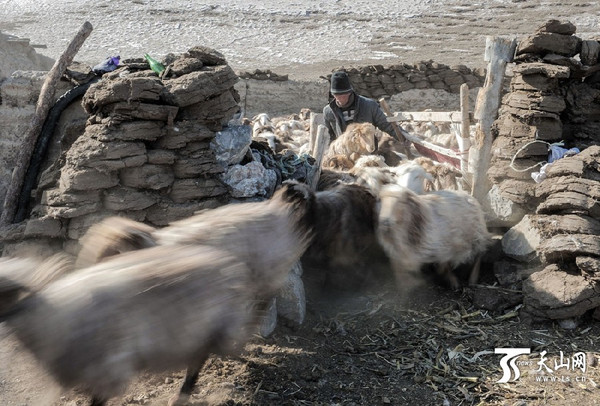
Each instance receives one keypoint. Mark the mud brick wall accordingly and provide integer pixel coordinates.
(143, 153)
(263, 91)
(553, 97)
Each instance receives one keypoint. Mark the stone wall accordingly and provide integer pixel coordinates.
(553, 97)
(143, 152)
(425, 85)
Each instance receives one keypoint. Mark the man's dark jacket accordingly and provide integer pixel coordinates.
(367, 111)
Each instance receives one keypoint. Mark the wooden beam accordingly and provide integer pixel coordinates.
(437, 116)
(465, 133)
(44, 103)
(498, 51)
(436, 148)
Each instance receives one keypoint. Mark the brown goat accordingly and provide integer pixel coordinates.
(344, 244)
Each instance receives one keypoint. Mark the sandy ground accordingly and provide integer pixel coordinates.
(304, 38)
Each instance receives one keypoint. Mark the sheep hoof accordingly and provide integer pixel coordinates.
(179, 399)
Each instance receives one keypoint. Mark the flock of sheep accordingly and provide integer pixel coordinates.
(139, 298)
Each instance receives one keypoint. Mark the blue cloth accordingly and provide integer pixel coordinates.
(111, 63)
(556, 152)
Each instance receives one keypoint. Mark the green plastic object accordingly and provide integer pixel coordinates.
(154, 64)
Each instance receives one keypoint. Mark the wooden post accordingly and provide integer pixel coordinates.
(465, 132)
(321, 145)
(316, 119)
(405, 142)
(45, 101)
(498, 51)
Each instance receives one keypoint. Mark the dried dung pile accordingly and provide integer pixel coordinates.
(552, 98)
(145, 151)
(567, 224)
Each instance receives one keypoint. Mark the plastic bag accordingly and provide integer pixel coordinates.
(111, 63)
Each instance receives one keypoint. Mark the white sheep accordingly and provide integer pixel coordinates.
(409, 175)
(446, 228)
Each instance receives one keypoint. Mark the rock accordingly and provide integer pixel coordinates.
(510, 273)
(537, 68)
(556, 294)
(291, 300)
(86, 180)
(507, 212)
(231, 144)
(589, 265)
(521, 242)
(529, 100)
(545, 43)
(557, 27)
(136, 110)
(589, 52)
(269, 321)
(208, 56)
(184, 65)
(163, 213)
(250, 180)
(507, 148)
(570, 202)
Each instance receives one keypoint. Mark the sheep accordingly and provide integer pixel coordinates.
(409, 174)
(112, 236)
(199, 291)
(444, 176)
(153, 309)
(357, 140)
(392, 150)
(344, 243)
(330, 178)
(446, 228)
(271, 234)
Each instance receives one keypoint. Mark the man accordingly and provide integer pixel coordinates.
(348, 107)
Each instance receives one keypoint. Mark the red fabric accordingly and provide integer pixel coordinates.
(436, 156)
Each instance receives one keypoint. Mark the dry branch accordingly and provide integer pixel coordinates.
(44, 104)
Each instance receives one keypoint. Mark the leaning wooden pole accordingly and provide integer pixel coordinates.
(498, 51)
(321, 145)
(44, 103)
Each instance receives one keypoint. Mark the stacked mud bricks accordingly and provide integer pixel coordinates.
(144, 152)
(554, 96)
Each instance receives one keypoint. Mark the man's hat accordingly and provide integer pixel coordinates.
(340, 83)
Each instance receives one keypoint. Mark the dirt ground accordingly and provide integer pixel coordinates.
(370, 346)
(367, 347)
